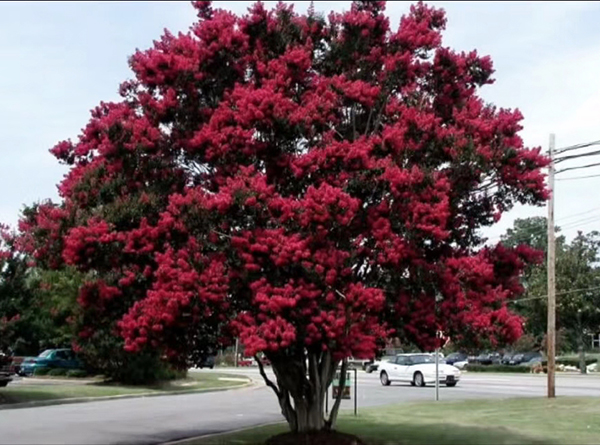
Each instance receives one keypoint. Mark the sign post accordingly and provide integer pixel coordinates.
(346, 390)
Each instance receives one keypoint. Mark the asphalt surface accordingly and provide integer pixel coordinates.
(155, 420)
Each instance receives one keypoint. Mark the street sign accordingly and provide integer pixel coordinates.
(346, 393)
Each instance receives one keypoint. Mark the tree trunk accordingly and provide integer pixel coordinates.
(301, 389)
(331, 422)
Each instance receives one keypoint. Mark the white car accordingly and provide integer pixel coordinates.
(418, 370)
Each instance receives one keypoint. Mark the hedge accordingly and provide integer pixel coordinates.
(77, 373)
(497, 368)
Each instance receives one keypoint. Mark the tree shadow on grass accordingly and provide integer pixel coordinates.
(375, 433)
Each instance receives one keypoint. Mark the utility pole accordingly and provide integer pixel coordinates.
(551, 335)
(237, 345)
(437, 374)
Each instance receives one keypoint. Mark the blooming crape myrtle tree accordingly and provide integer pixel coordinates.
(309, 185)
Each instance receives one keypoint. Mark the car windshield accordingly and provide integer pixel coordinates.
(418, 359)
(46, 353)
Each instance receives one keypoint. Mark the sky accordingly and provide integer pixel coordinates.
(59, 60)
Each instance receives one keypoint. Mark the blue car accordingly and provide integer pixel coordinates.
(50, 358)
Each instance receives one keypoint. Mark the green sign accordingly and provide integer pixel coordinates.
(336, 385)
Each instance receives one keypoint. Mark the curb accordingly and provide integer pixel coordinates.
(71, 400)
(191, 440)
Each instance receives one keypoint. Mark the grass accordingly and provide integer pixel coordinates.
(42, 392)
(511, 421)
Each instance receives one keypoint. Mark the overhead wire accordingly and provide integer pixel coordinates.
(580, 223)
(577, 177)
(557, 294)
(577, 168)
(570, 157)
(573, 215)
(576, 147)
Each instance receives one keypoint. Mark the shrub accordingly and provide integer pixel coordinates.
(497, 368)
(142, 369)
(77, 373)
(41, 371)
(225, 359)
(57, 372)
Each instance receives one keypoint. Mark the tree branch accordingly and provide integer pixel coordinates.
(268, 381)
(369, 120)
(313, 371)
(353, 117)
(338, 401)
(380, 114)
(331, 127)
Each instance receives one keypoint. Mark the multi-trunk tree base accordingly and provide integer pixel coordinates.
(319, 438)
(301, 385)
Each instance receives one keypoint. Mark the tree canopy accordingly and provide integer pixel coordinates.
(310, 185)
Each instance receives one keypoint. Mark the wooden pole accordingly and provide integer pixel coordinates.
(437, 374)
(355, 392)
(237, 344)
(551, 335)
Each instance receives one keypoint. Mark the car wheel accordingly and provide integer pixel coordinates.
(385, 381)
(418, 379)
(451, 384)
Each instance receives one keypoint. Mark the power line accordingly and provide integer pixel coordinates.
(558, 294)
(578, 177)
(582, 155)
(577, 168)
(581, 223)
(576, 147)
(596, 209)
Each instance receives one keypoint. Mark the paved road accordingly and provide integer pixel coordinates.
(159, 419)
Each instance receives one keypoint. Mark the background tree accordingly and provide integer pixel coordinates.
(36, 306)
(533, 232)
(309, 185)
(578, 302)
(577, 283)
(21, 329)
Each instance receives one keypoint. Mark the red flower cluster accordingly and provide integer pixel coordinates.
(297, 181)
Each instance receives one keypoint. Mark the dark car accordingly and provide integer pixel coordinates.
(375, 365)
(507, 357)
(487, 358)
(525, 357)
(50, 358)
(208, 362)
(456, 357)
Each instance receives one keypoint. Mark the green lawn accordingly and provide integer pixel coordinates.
(510, 421)
(18, 393)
